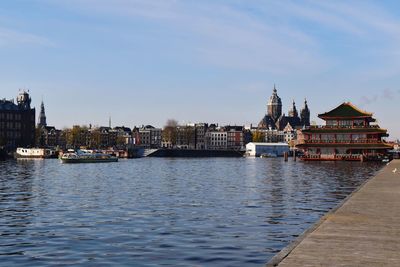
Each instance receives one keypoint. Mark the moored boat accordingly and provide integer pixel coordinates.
(40, 153)
(86, 157)
(268, 155)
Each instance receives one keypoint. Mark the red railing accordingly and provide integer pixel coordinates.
(332, 157)
(342, 127)
(358, 141)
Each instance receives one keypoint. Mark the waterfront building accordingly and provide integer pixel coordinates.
(185, 137)
(289, 133)
(275, 119)
(17, 122)
(147, 136)
(124, 136)
(254, 149)
(49, 136)
(347, 135)
(216, 139)
(200, 135)
(235, 137)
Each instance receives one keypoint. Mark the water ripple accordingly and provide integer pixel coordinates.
(168, 212)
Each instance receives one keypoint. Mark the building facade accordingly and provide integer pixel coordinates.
(347, 135)
(216, 139)
(147, 136)
(200, 135)
(235, 137)
(17, 122)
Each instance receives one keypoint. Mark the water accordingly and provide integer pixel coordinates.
(172, 212)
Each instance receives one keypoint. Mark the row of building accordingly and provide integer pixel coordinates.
(349, 133)
(192, 136)
(17, 128)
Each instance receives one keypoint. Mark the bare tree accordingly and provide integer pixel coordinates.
(170, 131)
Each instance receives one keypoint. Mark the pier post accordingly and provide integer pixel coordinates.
(285, 155)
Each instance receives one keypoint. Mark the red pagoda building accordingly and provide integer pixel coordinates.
(347, 135)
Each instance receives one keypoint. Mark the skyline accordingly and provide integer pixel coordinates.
(143, 62)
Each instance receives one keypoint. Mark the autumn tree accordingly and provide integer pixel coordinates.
(76, 136)
(258, 137)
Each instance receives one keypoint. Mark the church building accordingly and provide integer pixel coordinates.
(274, 119)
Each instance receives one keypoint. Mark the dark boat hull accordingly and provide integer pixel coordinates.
(89, 160)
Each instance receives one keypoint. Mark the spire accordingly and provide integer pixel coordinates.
(293, 112)
(305, 114)
(42, 116)
(109, 122)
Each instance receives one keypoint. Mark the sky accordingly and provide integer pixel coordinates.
(146, 61)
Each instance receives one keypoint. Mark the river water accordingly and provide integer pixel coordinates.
(169, 212)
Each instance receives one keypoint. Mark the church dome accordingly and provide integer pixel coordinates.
(275, 99)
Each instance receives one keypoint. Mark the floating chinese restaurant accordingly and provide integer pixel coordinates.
(347, 135)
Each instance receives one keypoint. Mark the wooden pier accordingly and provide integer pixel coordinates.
(363, 231)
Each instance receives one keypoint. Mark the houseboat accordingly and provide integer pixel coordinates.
(35, 153)
(86, 156)
(348, 134)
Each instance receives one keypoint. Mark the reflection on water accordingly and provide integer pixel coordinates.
(214, 212)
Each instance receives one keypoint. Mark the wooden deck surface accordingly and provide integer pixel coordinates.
(363, 231)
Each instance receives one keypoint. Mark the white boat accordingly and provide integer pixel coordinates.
(41, 153)
(81, 156)
(268, 155)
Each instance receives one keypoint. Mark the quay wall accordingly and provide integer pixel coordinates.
(364, 230)
(3, 154)
(192, 153)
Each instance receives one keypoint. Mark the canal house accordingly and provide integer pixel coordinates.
(348, 134)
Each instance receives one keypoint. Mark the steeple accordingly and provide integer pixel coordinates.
(42, 116)
(305, 114)
(274, 106)
(293, 112)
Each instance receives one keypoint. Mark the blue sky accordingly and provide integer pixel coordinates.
(143, 62)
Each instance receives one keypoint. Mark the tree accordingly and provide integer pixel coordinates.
(76, 136)
(95, 139)
(121, 141)
(169, 133)
(39, 136)
(258, 137)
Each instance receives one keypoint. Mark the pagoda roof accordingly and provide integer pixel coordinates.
(345, 110)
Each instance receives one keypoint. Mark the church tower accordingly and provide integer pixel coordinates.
(305, 114)
(293, 112)
(274, 107)
(42, 117)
